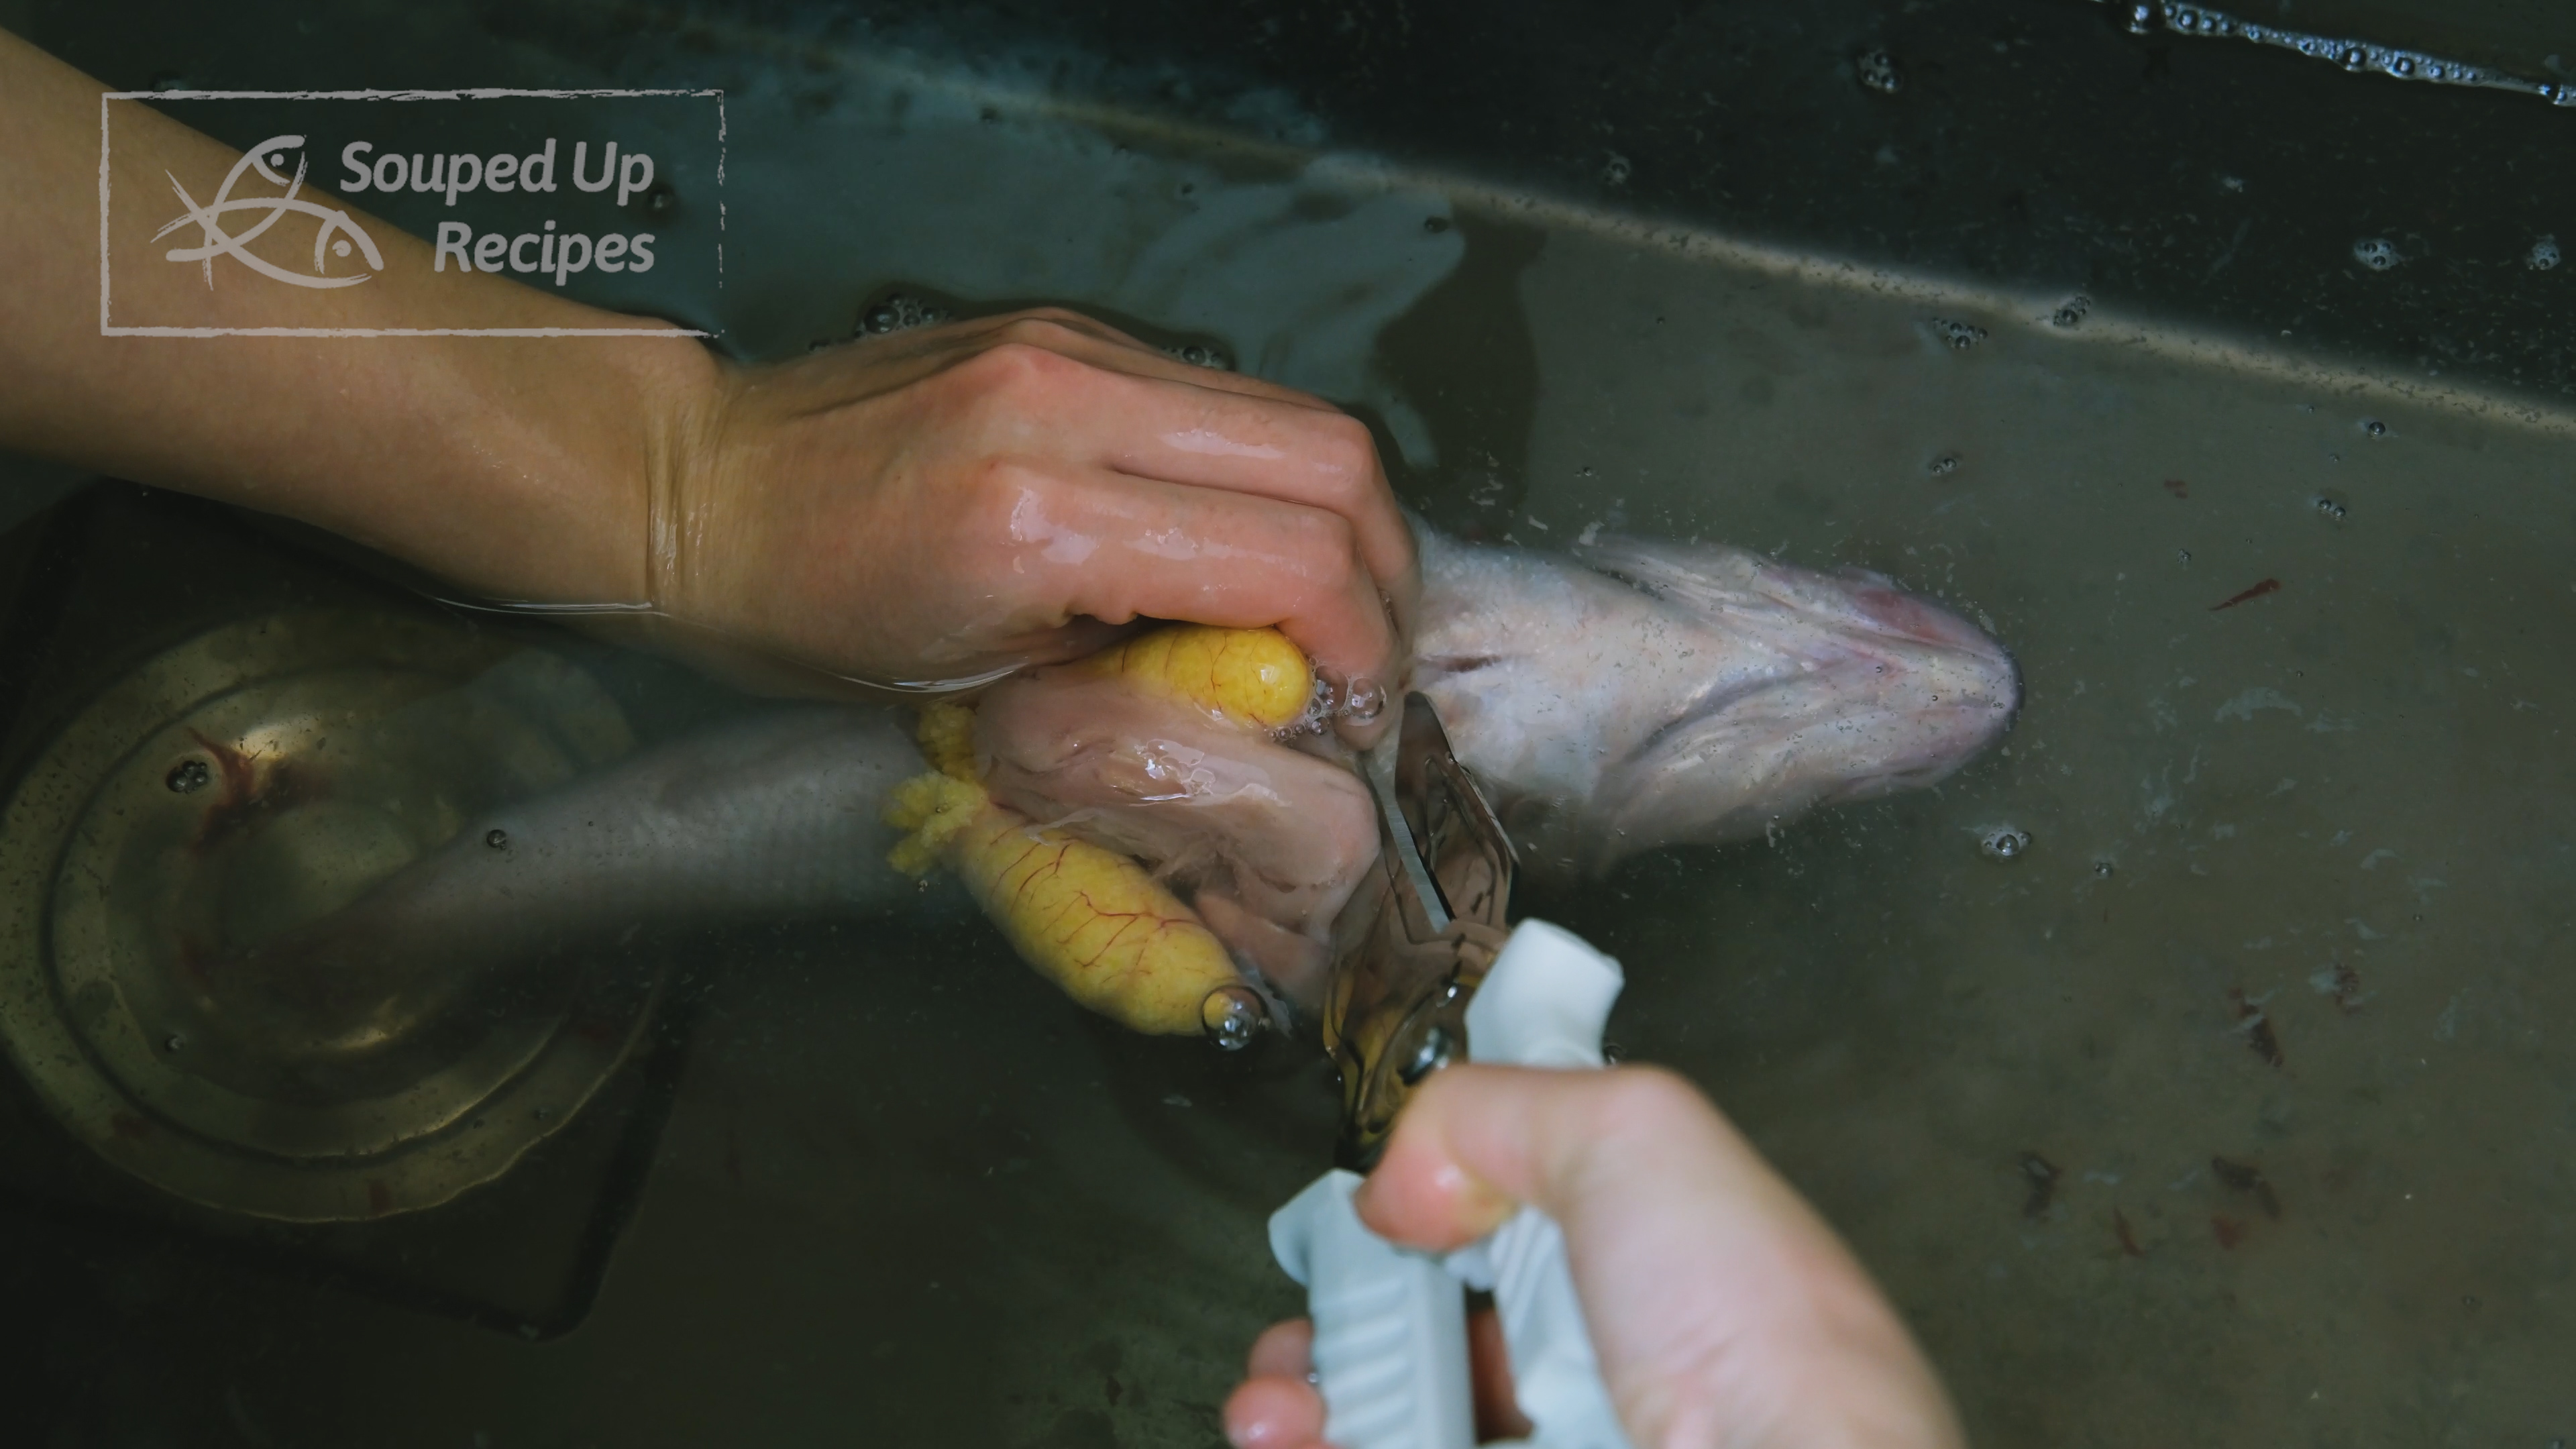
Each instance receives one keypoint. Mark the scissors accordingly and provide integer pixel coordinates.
(1429, 965)
(1397, 1004)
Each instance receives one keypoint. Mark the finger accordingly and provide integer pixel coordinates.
(1274, 1413)
(1284, 1350)
(1118, 548)
(1181, 432)
(1107, 406)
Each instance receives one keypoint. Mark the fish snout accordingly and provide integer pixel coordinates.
(1891, 609)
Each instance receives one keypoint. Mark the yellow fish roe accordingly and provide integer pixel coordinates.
(1251, 677)
(1090, 919)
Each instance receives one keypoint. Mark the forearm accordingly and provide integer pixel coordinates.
(518, 467)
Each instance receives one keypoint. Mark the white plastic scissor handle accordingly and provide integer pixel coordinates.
(1391, 1324)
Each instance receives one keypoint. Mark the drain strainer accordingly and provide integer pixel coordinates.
(228, 794)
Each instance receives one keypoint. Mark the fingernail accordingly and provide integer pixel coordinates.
(1456, 1202)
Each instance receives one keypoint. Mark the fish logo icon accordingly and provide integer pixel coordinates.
(335, 236)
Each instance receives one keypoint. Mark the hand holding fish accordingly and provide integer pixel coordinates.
(1722, 1308)
(953, 503)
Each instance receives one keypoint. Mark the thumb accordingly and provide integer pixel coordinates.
(1721, 1307)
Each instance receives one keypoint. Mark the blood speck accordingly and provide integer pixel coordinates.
(380, 1198)
(2177, 487)
(2230, 1232)
(129, 1126)
(2256, 1026)
(2267, 586)
(2128, 1239)
(2246, 1177)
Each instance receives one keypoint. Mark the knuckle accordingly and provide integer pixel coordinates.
(1010, 378)
(1051, 330)
(1335, 543)
(1350, 451)
(1010, 361)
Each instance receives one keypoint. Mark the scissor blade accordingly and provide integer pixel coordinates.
(1415, 875)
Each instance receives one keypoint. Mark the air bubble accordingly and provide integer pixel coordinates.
(1365, 700)
(2070, 312)
(497, 838)
(175, 1042)
(899, 311)
(2544, 254)
(1233, 1016)
(2331, 509)
(2004, 842)
(1960, 335)
(2355, 58)
(1615, 170)
(1877, 70)
(1209, 355)
(2102, 870)
(1945, 465)
(189, 776)
(2142, 18)
(2182, 555)
(2374, 427)
(2376, 252)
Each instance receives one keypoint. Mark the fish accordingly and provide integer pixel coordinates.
(1624, 696)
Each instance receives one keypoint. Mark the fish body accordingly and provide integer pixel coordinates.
(773, 816)
(1140, 826)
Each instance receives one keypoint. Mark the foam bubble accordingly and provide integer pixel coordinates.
(2003, 842)
(1877, 70)
(2376, 252)
(2543, 255)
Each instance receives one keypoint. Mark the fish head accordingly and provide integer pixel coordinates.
(1720, 693)
(1861, 689)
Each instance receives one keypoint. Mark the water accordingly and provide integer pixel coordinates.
(2224, 1106)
